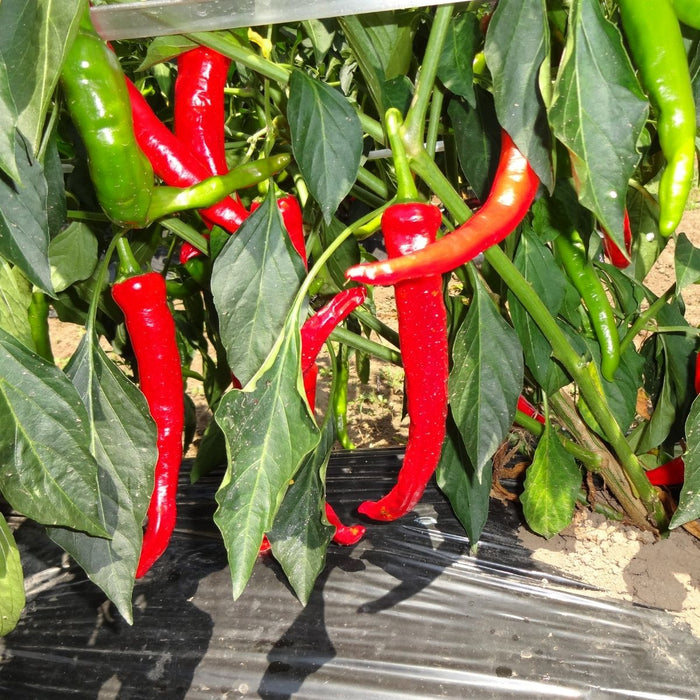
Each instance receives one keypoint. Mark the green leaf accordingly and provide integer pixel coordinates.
(477, 140)
(165, 48)
(268, 433)
(123, 442)
(211, 452)
(535, 262)
(516, 47)
(254, 280)
(12, 598)
(598, 112)
(467, 492)
(48, 473)
(486, 378)
(551, 485)
(300, 536)
(689, 500)
(643, 211)
(326, 139)
(41, 59)
(382, 44)
(687, 262)
(622, 393)
(73, 255)
(321, 35)
(24, 223)
(461, 44)
(55, 187)
(15, 297)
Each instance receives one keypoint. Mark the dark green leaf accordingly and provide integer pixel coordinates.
(347, 255)
(11, 580)
(551, 485)
(254, 280)
(398, 93)
(461, 44)
(689, 501)
(24, 224)
(598, 112)
(536, 263)
(123, 441)
(467, 493)
(516, 48)
(622, 393)
(326, 139)
(300, 535)
(486, 378)
(477, 140)
(48, 473)
(268, 433)
(15, 297)
(56, 191)
(211, 452)
(687, 260)
(321, 33)
(648, 244)
(73, 255)
(382, 45)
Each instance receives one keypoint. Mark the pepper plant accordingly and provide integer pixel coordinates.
(209, 195)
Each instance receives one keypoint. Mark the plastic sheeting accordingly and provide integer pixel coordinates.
(406, 613)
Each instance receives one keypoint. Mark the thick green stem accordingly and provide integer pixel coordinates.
(373, 183)
(378, 326)
(128, 264)
(405, 186)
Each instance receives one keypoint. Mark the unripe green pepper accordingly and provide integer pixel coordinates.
(656, 43)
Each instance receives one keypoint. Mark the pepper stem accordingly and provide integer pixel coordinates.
(128, 264)
(406, 188)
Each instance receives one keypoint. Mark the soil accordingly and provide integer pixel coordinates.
(619, 560)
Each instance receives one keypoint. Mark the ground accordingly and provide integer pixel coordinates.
(623, 561)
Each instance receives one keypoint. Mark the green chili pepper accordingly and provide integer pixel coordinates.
(340, 398)
(571, 252)
(656, 43)
(98, 100)
(95, 92)
(688, 12)
(38, 314)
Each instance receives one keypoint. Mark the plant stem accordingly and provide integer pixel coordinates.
(373, 183)
(415, 118)
(643, 318)
(359, 342)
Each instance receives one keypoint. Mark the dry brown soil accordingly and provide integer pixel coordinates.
(618, 559)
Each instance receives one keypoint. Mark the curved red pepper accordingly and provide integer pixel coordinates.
(611, 249)
(514, 188)
(175, 163)
(422, 320)
(151, 329)
(314, 333)
(199, 105)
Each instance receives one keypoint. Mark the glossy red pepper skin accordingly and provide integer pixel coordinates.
(314, 333)
(668, 474)
(422, 321)
(199, 105)
(151, 329)
(612, 252)
(175, 163)
(514, 187)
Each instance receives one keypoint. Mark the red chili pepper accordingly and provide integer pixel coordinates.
(175, 163)
(524, 406)
(199, 105)
(668, 474)
(293, 220)
(514, 188)
(151, 328)
(422, 320)
(314, 334)
(611, 249)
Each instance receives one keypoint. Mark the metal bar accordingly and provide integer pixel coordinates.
(160, 17)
